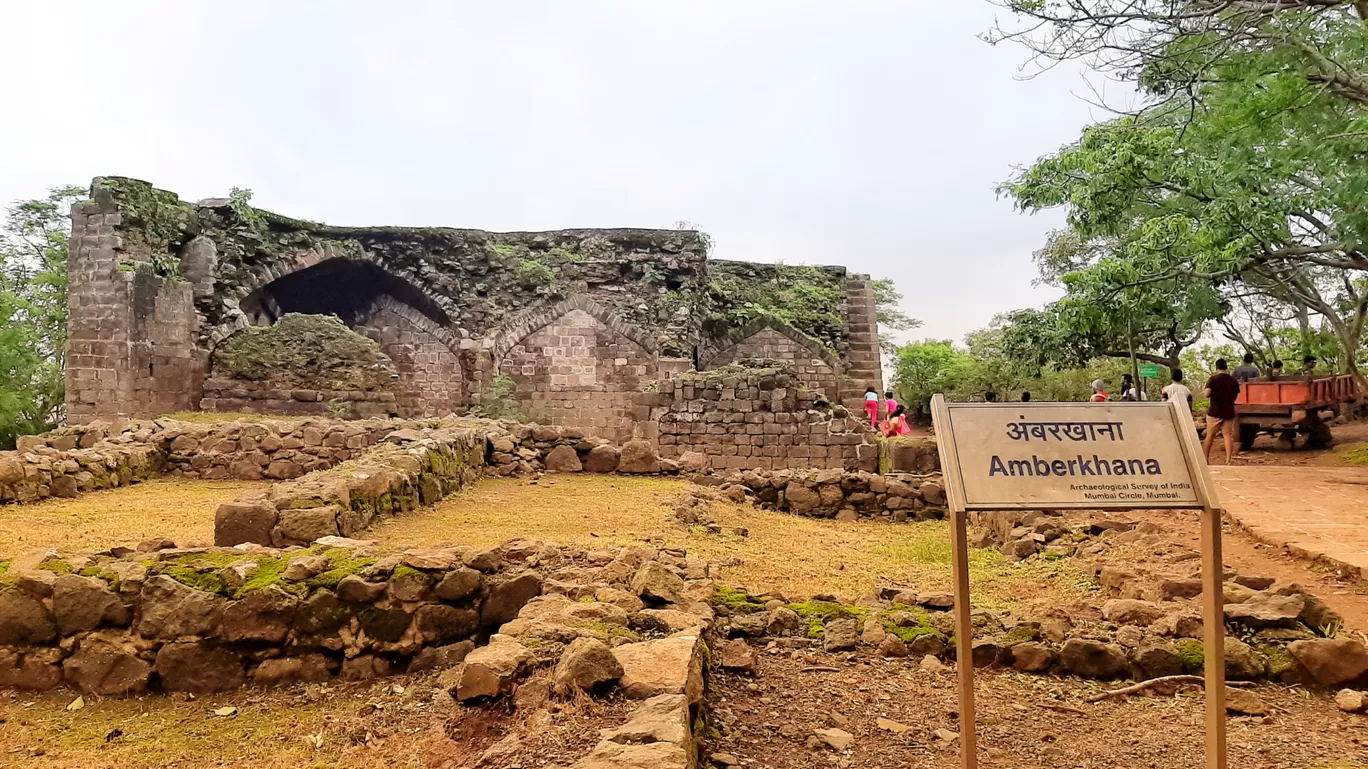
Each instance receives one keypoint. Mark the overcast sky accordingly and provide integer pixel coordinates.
(863, 133)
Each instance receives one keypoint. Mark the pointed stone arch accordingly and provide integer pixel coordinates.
(262, 276)
(742, 333)
(506, 337)
(434, 372)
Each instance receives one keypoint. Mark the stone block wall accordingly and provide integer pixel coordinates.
(36, 472)
(760, 418)
(431, 376)
(578, 371)
(415, 467)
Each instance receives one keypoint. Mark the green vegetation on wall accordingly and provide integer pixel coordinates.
(315, 352)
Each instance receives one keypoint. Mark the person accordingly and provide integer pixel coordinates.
(1222, 389)
(1277, 369)
(1129, 392)
(990, 397)
(895, 424)
(1026, 396)
(1099, 395)
(1247, 370)
(1177, 391)
(872, 406)
(891, 406)
(1308, 366)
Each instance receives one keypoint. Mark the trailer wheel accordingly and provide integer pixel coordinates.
(1318, 435)
(1247, 435)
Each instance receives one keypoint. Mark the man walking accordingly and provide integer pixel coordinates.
(1248, 370)
(1222, 389)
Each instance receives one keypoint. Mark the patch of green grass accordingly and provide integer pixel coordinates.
(607, 629)
(737, 601)
(1356, 456)
(269, 571)
(1192, 653)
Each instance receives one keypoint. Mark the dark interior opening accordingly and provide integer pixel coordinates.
(337, 287)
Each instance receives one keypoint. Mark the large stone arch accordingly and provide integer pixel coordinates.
(262, 277)
(433, 376)
(773, 339)
(576, 364)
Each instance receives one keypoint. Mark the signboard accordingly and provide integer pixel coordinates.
(1148, 370)
(1037, 455)
(1053, 456)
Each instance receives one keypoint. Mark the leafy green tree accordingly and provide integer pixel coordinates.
(922, 369)
(33, 311)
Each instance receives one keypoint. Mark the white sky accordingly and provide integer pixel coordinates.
(863, 133)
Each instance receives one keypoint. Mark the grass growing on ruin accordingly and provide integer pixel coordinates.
(181, 510)
(797, 556)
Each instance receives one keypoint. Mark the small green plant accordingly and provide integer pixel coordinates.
(816, 628)
(1333, 628)
(828, 610)
(240, 203)
(534, 274)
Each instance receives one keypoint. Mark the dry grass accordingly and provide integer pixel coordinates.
(181, 510)
(319, 727)
(798, 556)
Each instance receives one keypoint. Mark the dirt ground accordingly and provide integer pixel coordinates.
(1023, 721)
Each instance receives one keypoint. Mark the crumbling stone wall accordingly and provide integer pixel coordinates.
(760, 418)
(812, 366)
(158, 284)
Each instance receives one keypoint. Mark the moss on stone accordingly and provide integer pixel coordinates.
(1279, 659)
(269, 571)
(56, 566)
(1019, 635)
(342, 563)
(816, 628)
(828, 610)
(315, 352)
(1192, 653)
(736, 601)
(189, 576)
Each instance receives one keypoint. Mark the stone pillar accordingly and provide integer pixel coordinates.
(864, 359)
(130, 332)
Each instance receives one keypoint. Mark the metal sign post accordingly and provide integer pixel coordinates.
(1078, 456)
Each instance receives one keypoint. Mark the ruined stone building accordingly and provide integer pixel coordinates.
(578, 327)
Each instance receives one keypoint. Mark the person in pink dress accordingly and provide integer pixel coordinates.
(892, 406)
(872, 406)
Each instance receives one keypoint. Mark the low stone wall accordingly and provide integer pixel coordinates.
(269, 449)
(413, 468)
(762, 419)
(54, 466)
(844, 495)
(909, 455)
(264, 398)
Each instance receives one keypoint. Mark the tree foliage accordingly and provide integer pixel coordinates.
(33, 310)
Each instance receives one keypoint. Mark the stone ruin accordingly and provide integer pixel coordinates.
(580, 328)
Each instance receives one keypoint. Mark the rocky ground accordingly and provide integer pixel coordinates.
(892, 714)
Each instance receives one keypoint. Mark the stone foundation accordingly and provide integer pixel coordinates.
(844, 495)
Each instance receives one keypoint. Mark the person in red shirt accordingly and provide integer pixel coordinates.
(1222, 389)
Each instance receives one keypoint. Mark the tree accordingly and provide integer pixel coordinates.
(922, 369)
(33, 311)
(1179, 48)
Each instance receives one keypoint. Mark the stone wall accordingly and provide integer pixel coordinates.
(38, 471)
(811, 366)
(844, 495)
(760, 418)
(577, 371)
(237, 397)
(431, 376)
(413, 468)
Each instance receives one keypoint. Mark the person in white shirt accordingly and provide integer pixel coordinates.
(1178, 391)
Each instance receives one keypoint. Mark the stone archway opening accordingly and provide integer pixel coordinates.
(413, 332)
(341, 287)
